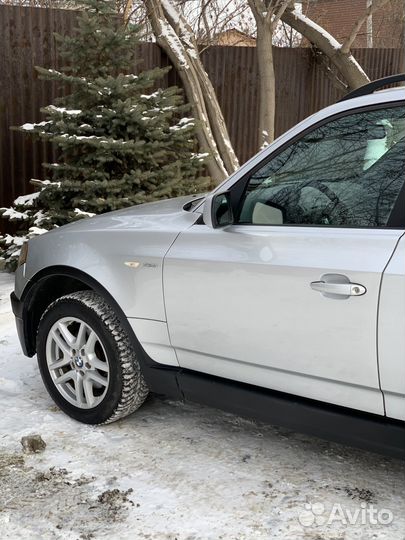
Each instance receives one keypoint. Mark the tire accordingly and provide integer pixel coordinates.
(87, 361)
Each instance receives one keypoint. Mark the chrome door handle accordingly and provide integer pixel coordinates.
(347, 289)
(337, 286)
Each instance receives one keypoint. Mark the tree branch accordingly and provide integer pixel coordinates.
(258, 7)
(348, 42)
(175, 36)
(128, 10)
(326, 43)
(278, 11)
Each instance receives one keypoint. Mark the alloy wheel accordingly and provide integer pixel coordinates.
(77, 362)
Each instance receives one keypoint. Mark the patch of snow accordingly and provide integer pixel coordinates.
(183, 124)
(63, 110)
(200, 157)
(171, 11)
(31, 127)
(265, 135)
(178, 22)
(82, 213)
(186, 121)
(192, 52)
(81, 137)
(12, 214)
(54, 72)
(301, 17)
(39, 218)
(46, 183)
(229, 146)
(14, 240)
(178, 128)
(150, 96)
(334, 43)
(353, 61)
(174, 43)
(27, 200)
(36, 231)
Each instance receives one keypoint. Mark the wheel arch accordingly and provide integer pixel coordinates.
(52, 283)
(56, 281)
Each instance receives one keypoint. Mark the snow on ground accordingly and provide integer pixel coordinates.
(174, 471)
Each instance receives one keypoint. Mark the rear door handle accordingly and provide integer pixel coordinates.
(338, 286)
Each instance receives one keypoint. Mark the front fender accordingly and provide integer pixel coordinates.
(122, 250)
(127, 265)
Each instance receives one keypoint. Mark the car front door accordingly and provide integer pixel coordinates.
(287, 296)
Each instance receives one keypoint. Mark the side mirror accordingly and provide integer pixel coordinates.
(218, 210)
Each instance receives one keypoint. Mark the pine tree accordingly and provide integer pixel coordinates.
(120, 140)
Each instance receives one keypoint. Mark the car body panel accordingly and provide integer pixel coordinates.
(258, 319)
(155, 340)
(102, 246)
(391, 334)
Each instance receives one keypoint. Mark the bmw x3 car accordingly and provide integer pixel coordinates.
(280, 295)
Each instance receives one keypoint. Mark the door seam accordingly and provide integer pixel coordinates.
(163, 288)
(378, 321)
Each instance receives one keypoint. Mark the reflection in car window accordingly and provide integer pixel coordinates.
(345, 173)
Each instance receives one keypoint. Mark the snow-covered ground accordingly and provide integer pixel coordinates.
(192, 472)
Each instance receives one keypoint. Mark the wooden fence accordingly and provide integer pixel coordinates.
(26, 41)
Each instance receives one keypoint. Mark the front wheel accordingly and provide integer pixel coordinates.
(87, 361)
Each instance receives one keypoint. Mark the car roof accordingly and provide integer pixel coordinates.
(379, 96)
(397, 89)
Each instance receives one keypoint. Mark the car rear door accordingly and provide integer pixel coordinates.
(287, 297)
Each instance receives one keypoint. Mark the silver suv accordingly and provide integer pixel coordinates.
(281, 295)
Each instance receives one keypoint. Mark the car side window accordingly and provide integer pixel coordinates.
(347, 172)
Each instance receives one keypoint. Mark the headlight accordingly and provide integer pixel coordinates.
(22, 259)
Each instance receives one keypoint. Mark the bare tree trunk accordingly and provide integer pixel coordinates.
(215, 115)
(267, 14)
(177, 40)
(128, 10)
(204, 7)
(267, 83)
(344, 61)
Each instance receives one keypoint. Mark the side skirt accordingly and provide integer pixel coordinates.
(338, 424)
(346, 426)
